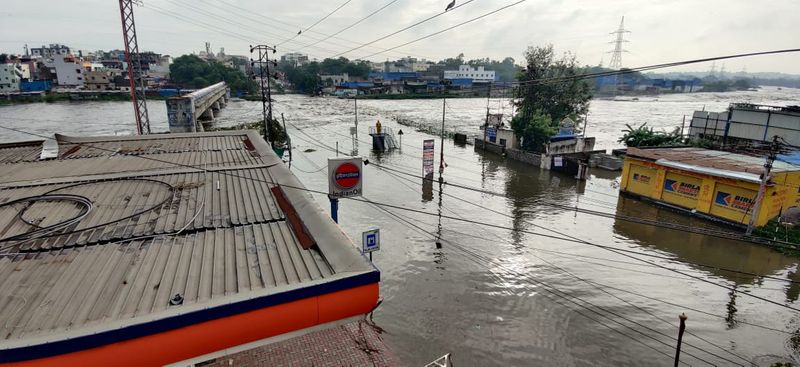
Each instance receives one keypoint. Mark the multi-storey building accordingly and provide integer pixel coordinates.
(478, 74)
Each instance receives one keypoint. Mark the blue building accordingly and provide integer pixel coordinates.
(36, 86)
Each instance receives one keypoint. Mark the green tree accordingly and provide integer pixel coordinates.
(644, 136)
(535, 130)
(193, 72)
(550, 91)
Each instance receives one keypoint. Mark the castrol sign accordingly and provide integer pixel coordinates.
(344, 177)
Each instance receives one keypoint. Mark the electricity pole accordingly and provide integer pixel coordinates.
(441, 152)
(773, 154)
(266, 91)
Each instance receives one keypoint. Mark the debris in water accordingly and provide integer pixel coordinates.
(309, 150)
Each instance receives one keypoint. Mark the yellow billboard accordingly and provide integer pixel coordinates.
(681, 190)
(733, 203)
(641, 180)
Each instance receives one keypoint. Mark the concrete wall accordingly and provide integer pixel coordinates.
(533, 159)
(756, 124)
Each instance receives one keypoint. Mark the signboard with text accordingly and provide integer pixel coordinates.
(344, 177)
(427, 157)
(371, 240)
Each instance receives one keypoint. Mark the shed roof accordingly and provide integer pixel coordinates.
(193, 215)
(719, 161)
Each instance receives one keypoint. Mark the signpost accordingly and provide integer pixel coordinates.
(344, 181)
(427, 158)
(370, 241)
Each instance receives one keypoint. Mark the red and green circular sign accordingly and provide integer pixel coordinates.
(347, 175)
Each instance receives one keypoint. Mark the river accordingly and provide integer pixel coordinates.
(500, 288)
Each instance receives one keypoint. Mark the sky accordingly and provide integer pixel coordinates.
(660, 30)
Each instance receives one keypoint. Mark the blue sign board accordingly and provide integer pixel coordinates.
(491, 133)
(371, 240)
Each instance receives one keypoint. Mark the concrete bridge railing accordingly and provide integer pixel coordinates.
(186, 112)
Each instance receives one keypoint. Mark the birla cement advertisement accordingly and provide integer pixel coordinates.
(641, 180)
(681, 190)
(733, 203)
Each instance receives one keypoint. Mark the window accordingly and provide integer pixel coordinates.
(78, 71)
(503, 142)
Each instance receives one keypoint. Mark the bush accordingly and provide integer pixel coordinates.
(644, 136)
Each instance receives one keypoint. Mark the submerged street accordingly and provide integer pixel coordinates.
(495, 265)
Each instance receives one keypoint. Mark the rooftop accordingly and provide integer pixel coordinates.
(714, 162)
(124, 237)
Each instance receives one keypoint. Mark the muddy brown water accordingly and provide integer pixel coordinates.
(499, 289)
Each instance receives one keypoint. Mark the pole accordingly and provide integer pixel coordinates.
(334, 208)
(681, 329)
(762, 188)
(441, 151)
(337, 148)
(288, 140)
(485, 126)
(682, 125)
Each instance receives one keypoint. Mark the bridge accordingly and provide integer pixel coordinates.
(185, 112)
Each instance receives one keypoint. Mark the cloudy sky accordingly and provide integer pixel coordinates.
(661, 30)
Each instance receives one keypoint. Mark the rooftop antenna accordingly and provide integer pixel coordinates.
(134, 61)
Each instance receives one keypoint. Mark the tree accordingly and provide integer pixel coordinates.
(535, 130)
(644, 136)
(193, 72)
(544, 100)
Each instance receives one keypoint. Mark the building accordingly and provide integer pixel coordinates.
(54, 49)
(334, 79)
(746, 124)
(296, 58)
(69, 72)
(10, 78)
(478, 74)
(709, 183)
(164, 248)
(99, 80)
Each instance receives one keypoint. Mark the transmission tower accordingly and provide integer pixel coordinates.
(263, 62)
(616, 55)
(134, 61)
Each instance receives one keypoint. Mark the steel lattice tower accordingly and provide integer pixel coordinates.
(616, 58)
(134, 61)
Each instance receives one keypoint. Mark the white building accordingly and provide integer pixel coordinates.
(50, 51)
(69, 73)
(468, 72)
(10, 77)
(335, 79)
(295, 58)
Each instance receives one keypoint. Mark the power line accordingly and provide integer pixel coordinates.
(446, 29)
(482, 260)
(356, 22)
(317, 22)
(403, 29)
(599, 284)
(564, 237)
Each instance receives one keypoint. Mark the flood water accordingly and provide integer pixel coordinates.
(502, 288)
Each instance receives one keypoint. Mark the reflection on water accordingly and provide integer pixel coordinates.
(482, 293)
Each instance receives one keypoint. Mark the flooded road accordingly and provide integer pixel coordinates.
(504, 285)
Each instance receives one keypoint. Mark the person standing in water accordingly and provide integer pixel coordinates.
(378, 127)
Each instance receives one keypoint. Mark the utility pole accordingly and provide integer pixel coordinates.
(266, 91)
(773, 154)
(441, 152)
(134, 61)
(681, 329)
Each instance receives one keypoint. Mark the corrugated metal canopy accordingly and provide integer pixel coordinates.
(707, 158)
(179, 214)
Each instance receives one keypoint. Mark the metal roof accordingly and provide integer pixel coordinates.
(180, 214)
(710, 159)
